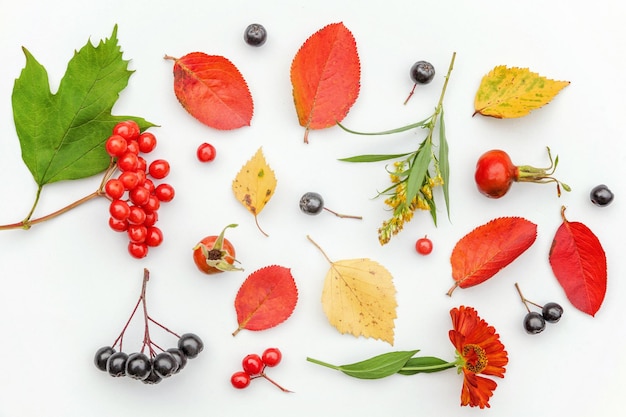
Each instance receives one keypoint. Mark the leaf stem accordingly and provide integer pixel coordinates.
(431, 368)
(320, 249)
(328, 365)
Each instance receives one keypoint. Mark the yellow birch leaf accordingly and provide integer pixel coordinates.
(359, 298)
(514, 92)
(254, 185)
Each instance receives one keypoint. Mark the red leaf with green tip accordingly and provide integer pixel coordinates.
(266, 298)
(484, 251)
(579, 264)
(212, 90)
(325, 75)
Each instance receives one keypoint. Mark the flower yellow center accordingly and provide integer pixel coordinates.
(475, 358)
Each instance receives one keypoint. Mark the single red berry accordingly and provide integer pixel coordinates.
(137, 215)
(271, 356)
(142, 165)
(147, 142)
(118, 225)
(149, 185)
(164, 192)
(133, 147)
(151, 218)
(119, 209)
(127, 162)
(139, 195)
(206, 152)
(154, 236)
(137, 250)
(424, 246)
(128, 129)
(240, 380)
(137, 233)
(153, 204)
(116, 145)
(159, 168)
(252, 364)
(114, 188)
(129, 179)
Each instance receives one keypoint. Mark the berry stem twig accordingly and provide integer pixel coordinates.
(524, 299)
(343, 216)
(264, 375)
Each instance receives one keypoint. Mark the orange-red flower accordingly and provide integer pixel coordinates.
(480, 351)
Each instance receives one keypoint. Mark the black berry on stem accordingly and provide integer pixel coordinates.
(313, 203)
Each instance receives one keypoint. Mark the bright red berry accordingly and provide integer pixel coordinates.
(137, 250)
(149, 185)
(159, 168)
(128, 129)
(137, 233)
(164, 192)
(153, 204)
(151, 218)
(147, 142)
(118, 225)
(271, 356)
(137, 215)
(424, 246)
(114, 188)
(127, 162)
(133, 147)
(119, 209)
(206, 152)
(154, 236)
(142, 165)
(252, 364)
(240, 380)
(116, 145)
(139, 195)
(129, 179)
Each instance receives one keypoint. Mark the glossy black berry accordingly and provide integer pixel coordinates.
(534, 323)
(190, 344)
(138, 366)
(601, 196)
(116, 364)
(311, 203)
(552, 312)
(255, 35)
(102, 356)
(422, 72)
(164, 364)
(180, 357)
(152, 378)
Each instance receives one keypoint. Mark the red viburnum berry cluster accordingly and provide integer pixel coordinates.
(135, 198)
(253, 366)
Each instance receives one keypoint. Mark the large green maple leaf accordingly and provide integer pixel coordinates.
(62, 135)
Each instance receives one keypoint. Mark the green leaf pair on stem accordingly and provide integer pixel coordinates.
(415, 173)
(390, 363)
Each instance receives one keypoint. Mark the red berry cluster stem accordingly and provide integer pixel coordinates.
(254, 366)
(135, 198)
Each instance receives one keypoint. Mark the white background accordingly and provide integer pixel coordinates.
(67, 286)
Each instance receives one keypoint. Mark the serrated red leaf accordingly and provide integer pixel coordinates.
(211, 89)
(487, 249)
(266, 298)
(579, 264)
(325, 75)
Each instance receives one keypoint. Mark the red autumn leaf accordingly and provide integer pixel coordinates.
(579, 264)
(484, 251)
(325, 75)
(266, 298)
(212, 90)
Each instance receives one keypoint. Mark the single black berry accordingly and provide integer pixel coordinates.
(190, 344)
(138, 366)
(116, 364)
(552, 312)
(164, 364)
(601, 196)
(255, 35)
(422, 72)
(101, 357)
(311, 203)
(534, 323)
(152, 378)
(180, 357)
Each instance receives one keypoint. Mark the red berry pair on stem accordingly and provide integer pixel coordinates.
(254, 367)
(135, 198)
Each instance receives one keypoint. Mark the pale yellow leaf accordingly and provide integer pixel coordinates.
(514, 92)
(254, 185)
(359, 298)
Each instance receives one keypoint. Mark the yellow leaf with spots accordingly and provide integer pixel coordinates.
(254, 185)
(359, 298)
(514, 92)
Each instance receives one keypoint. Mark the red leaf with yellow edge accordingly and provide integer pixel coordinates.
(484, 251)
(212, 90)
(579, 264)
(266, 298)
(325, 75)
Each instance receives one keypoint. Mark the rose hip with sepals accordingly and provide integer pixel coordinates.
(215, 254)
(155, 364)
(495, 173)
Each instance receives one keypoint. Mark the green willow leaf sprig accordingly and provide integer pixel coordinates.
(414, 174)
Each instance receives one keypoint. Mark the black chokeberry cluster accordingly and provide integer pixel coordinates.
(151, 363)
(535, 322)
(312, 203)
(135, 198)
